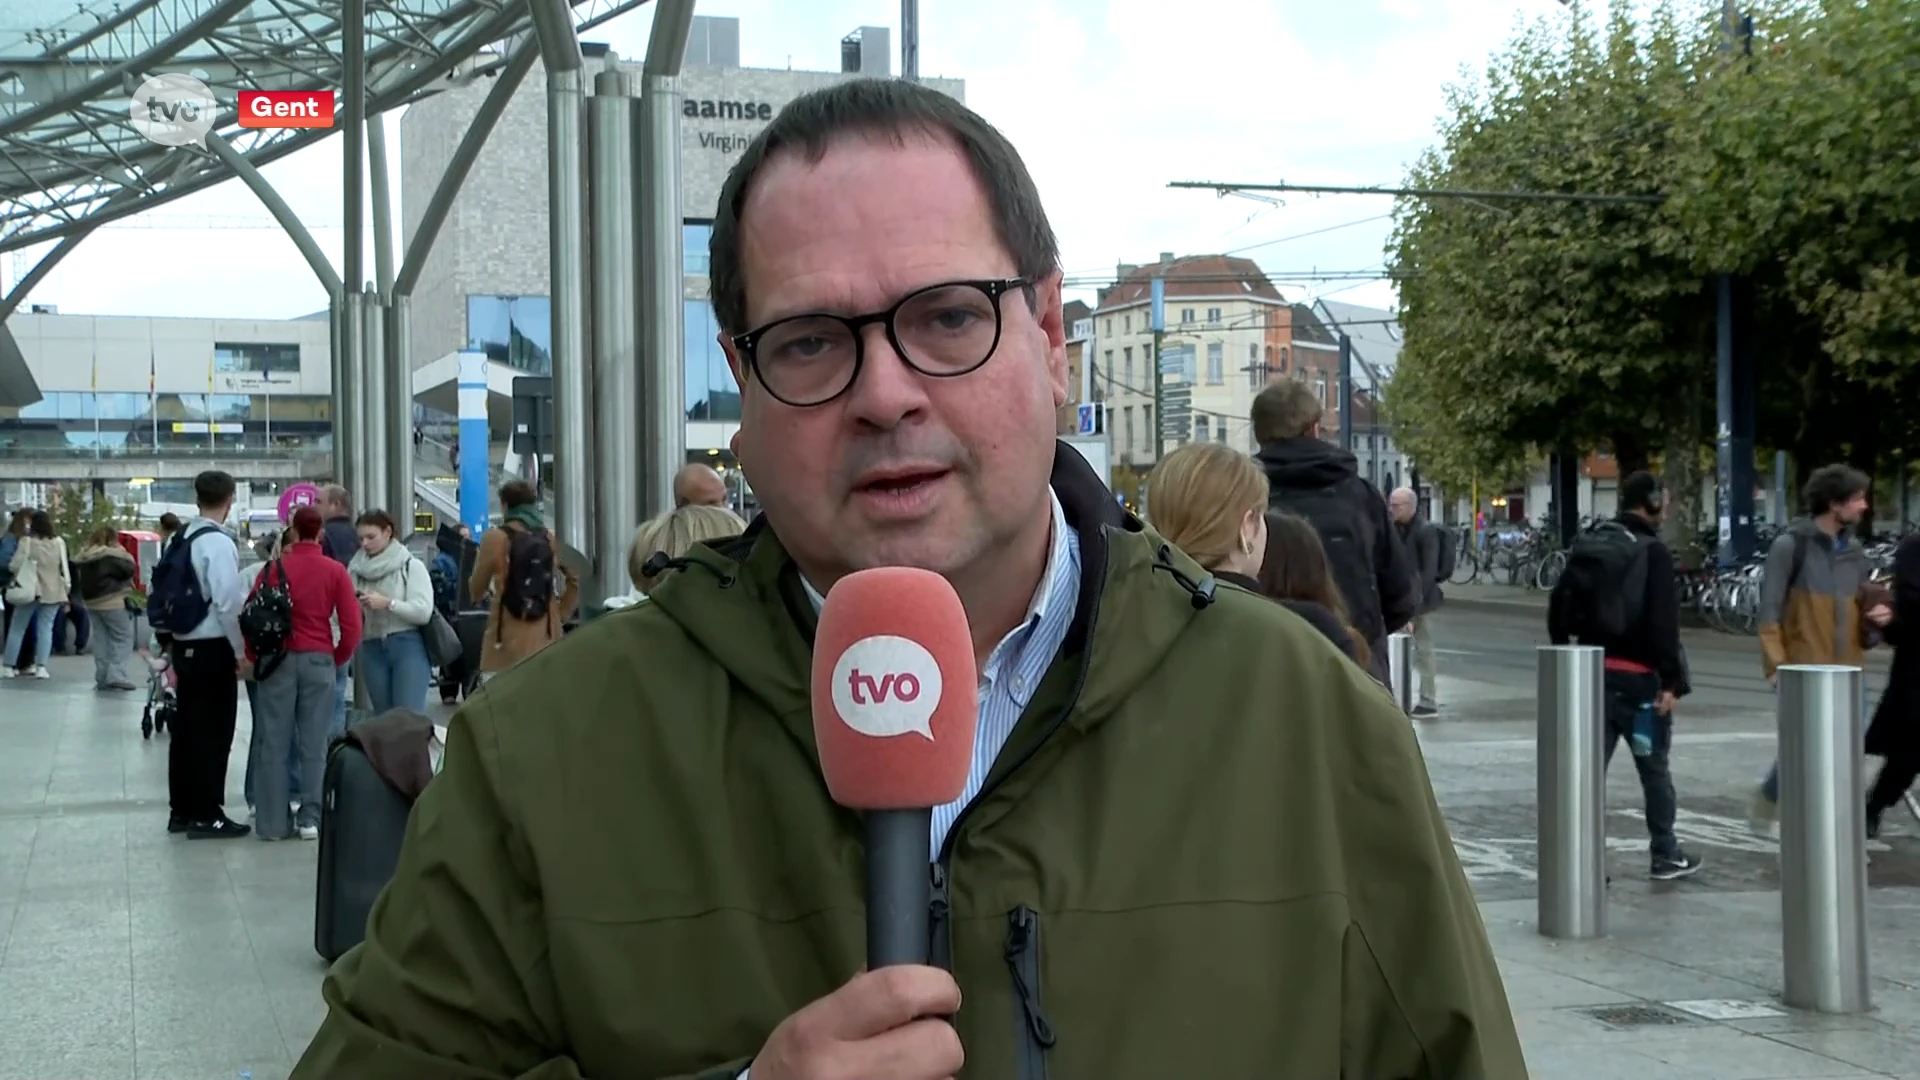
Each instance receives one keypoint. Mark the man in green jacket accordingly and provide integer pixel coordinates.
(1197, 840)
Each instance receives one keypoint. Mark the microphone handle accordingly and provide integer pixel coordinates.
(899, 886)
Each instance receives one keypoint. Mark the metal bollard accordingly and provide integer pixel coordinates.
(1823, 835)
(1400, 669)
(1572, 793)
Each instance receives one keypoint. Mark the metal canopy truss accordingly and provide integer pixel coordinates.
(70, 158)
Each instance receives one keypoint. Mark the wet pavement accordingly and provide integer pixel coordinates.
(126, 953)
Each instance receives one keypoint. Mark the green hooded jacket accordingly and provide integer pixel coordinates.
(1210, 849)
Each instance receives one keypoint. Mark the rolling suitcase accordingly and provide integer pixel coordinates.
(362, 823)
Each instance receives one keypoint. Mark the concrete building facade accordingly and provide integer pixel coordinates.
(485, 286)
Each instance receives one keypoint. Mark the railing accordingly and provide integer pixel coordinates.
(152, 453)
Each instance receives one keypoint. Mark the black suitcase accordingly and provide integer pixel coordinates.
(362, 823)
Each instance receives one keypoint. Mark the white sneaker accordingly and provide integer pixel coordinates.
(41, 672)
(309, 832)
(8, 673)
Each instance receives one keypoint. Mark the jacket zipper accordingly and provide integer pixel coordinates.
(1035, 1035)
(939, 936)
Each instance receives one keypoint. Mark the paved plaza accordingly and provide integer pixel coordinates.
(127, 953)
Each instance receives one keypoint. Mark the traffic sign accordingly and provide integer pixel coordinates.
(296, 496)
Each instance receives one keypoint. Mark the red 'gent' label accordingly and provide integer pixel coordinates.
(286, 108)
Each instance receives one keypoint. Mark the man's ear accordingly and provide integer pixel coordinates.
(1048, 311)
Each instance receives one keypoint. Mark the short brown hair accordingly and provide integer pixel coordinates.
(889, 109)
(1285, 410)
(517, 493)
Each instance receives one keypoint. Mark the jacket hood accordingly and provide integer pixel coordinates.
(1306, 462)
(1137, 594)
(93, 554)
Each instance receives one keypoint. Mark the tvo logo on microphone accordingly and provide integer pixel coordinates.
(885, 686)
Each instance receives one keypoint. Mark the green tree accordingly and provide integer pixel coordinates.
(1537, 326)
(77, 512)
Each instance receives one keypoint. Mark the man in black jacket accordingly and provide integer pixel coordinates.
(1646, 669)
(338, 539)
(1320, 482)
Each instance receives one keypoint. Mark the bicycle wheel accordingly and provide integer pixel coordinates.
(1550, 570)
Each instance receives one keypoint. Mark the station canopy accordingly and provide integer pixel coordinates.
(70, 157)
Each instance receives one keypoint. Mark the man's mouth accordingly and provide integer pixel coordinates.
(901, 483)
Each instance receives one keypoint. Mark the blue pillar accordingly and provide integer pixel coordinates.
(473, 440)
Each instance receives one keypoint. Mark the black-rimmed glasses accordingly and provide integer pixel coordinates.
(941, 331)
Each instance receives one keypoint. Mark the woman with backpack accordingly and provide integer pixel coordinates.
(105, 573)
(289, 622)
(531, 594)
(396, 597)
(39, 586)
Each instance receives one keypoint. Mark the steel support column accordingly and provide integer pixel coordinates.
(567, 242)
(375, 440)
(399, 426)
(382, 203)
(611, 153)
(662, 269)
(1346, 392)
(349, 419)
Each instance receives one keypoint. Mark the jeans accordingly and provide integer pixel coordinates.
(339, 726)
(209, 696)
(396, 671)
(76, 616)
(253, 751)
(294, 708)
(1627, 693)
(112, 645)
(35, 618)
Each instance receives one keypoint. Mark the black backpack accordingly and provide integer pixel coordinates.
(1449, 553)
(1339, 517)
(177, 603)
(266, 621)
(528, 592)
(1605, 583)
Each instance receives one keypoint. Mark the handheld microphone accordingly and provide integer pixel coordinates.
(894, 708)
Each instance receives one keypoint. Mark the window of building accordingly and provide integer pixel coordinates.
(1126, 422)
(696, 238)
(1320, 389)
(1283, 359)
(1213, 315)
(1256, 371)
(1126, 324)
(1153, 435)
(1200, 432)
(257, 357)
(711, 392)
(1186, 315)
(1127, 353)
(1269, 359)
(1109, 324)
(1216, 363)
(513, 330)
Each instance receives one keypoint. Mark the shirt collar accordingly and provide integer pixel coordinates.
(1061, 553)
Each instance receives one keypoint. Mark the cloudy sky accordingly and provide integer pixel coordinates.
(1107, 99)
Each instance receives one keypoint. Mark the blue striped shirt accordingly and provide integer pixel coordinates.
(1016, 665)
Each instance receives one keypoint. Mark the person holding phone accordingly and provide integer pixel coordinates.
(396, 598)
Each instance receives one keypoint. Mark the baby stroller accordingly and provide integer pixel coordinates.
(162, 700)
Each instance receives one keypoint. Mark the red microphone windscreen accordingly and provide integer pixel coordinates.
(894, 690)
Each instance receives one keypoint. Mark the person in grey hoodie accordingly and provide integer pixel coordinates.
(103, 571)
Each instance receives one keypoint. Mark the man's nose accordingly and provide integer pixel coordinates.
(886, 390)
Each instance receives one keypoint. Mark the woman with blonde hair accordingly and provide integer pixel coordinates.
(1210, 501)
(673, 533)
